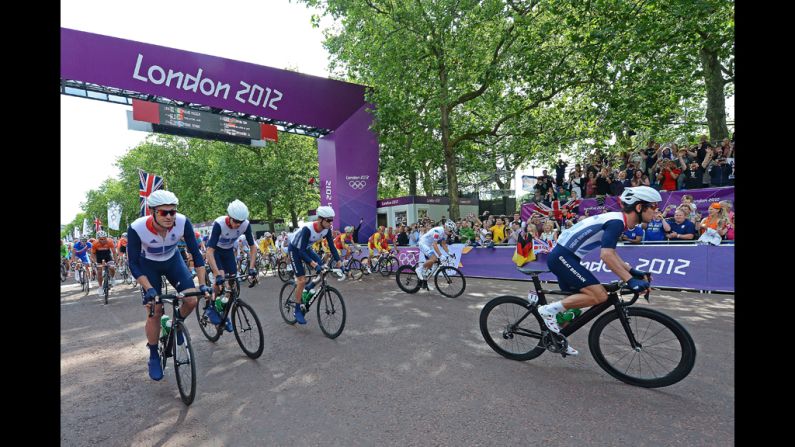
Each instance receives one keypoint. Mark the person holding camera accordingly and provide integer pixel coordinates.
(668, 175)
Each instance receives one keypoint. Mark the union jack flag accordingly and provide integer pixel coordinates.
(556, 210)
(97, 225)
(540, 246)
(147, 184)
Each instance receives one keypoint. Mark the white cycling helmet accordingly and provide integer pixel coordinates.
(101, 233)
(84, 238)
(325, 212)
(161, 197)
(237, 210)
(637, 194)
(349, 229)
(124, 235)
(449, 225)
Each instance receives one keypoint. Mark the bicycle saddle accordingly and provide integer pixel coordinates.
(529, 270)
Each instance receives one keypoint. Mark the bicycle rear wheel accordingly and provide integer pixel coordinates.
(356, 269)
(286, 302)
(248, 330)
(284, 274)
(666, 354)
(331, 312)
(449, 281)
(387, 265)
(211, 331)
(63, 273)
(184, 363)
(407, 279)
(511, 329)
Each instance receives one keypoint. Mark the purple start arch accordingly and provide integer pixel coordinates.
(348, 155)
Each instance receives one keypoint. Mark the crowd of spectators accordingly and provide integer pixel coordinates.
(665, 167)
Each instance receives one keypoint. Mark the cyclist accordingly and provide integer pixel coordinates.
(429, 246)
(374, 245)
(220, 250)
(121, 247)
(639, 205)
(300, 247)
(266, 244)
(152, 242)
(346, 251)
(104, 251)
(80, 252)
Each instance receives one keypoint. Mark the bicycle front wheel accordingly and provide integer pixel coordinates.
(184, 364)
(356, 269)
(511, 329)
(286, 302)
(248, 330)
(331, 312)
(665, 355)
(407, 278)
(387, 266)
(449, 281)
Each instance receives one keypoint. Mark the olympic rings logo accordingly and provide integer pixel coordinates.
(407, 257)
(357, 184)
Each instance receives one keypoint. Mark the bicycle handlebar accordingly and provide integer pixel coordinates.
(170, 298)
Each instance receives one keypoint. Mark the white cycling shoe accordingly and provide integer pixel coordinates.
(549, 318)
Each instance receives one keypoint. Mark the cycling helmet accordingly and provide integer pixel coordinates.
(237, 210)
(124, 235)
(643, 194)
(325, 212)
(449, 225)
(161, 197)
(101, 233)
(349, 229)
(83, 238)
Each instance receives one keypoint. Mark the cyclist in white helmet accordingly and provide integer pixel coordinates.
(300, 247)
(603, 230)
(429, 246)
(220, 250)
(152, 251)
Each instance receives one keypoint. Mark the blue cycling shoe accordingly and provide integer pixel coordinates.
(228, 325)
(212, 314)
(299, 314)
(155, 370)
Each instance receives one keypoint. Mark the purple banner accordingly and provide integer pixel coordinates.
(405, 200)
(696, 267)
(209, 80)
(701, 197)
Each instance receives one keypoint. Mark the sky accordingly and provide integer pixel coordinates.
(274, 33)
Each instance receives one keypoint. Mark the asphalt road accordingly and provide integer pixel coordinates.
(407, 370)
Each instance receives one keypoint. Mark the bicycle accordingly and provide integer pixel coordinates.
(385, 262)
(82, 277)
(330, 308)
(286, 273)
(106, 281)
(64, 270)
(245, 323)
(124, 271)
(184, 364)
(624, 338)
(448, 285)
(353, 265)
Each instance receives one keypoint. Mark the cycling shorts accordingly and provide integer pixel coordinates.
(83, 258)
(175, 271)
(296, 260)
(572, 276)
(104, 255)
(123, 249)
(428, 251)
(225, 260)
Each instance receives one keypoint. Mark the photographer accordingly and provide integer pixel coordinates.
(560, 171)
(668, 175)
(719, 170)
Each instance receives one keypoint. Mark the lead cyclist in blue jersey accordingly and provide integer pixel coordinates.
(604, 230)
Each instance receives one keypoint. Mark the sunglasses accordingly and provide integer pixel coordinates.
(652, 206)
(236, 221)
(164, 213)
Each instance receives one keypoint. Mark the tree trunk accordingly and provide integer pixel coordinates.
(427, 181)
(294, 217)
(269, 211)
(413, 183)
(449, 153)
(716, 106)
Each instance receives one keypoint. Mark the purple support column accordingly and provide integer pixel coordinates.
(348, 159)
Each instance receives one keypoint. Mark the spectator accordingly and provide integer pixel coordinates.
(633, 236)
(488, 242)
(719, 170)
(574, 196)
(689, 207)
(716, 219)
(702, 149)
(576, 183)
(637, 178)
(403, 236)
(644, 181)
(537, 198)
(546, 178)
(679, 228)
(726, 148)
(498, 231)
(727, 207)
(590, 185)
(603, 182)
(667, 176)
(414, 235)
(693, 174)
(466, 232)
(537, 222)
(653, 231)
(560, 171)
(617, 186)
(550, 233)
(667, 153)
(638, 160)
(516, 232)
(517, 218)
